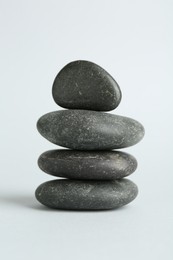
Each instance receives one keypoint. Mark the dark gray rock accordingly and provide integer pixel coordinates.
(89, 130)
(92, 165)
(85, 85)
(86, 195)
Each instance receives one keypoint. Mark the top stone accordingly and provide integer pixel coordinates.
(85, 85)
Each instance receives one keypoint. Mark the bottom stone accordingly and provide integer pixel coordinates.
(86, 195)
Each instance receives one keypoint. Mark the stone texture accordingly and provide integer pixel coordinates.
(89, 130)
(93, 165)
(85, 85)
(86, 195)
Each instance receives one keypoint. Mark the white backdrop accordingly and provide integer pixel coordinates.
(133, 41)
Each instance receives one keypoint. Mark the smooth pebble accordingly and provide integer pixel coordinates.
(89, 130)
(86, 195)
(92, 165)
(85, 85)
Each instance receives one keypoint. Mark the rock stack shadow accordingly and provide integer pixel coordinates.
(95, 172)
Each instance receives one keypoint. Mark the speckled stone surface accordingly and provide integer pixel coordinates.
(89, 130)
(85, 85)
(86, 195)
(93, 165)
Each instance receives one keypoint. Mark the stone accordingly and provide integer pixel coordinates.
(85, 85)
(92, 165)
(86, 195)
(89, 130)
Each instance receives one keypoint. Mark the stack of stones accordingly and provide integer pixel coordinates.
(93, 172)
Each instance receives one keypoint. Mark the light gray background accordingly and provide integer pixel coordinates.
(133, 41)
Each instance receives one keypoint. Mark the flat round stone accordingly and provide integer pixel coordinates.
(92, 165)
(85, 85)
(86, 195)
(89, 130)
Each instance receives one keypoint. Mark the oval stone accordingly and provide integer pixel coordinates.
(89, 130)
(92, 165)
(86, 195)
(85, 85)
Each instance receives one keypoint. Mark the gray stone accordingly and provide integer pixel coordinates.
(89, 130)
(92, 165)
(85, 85)
(86, 195)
